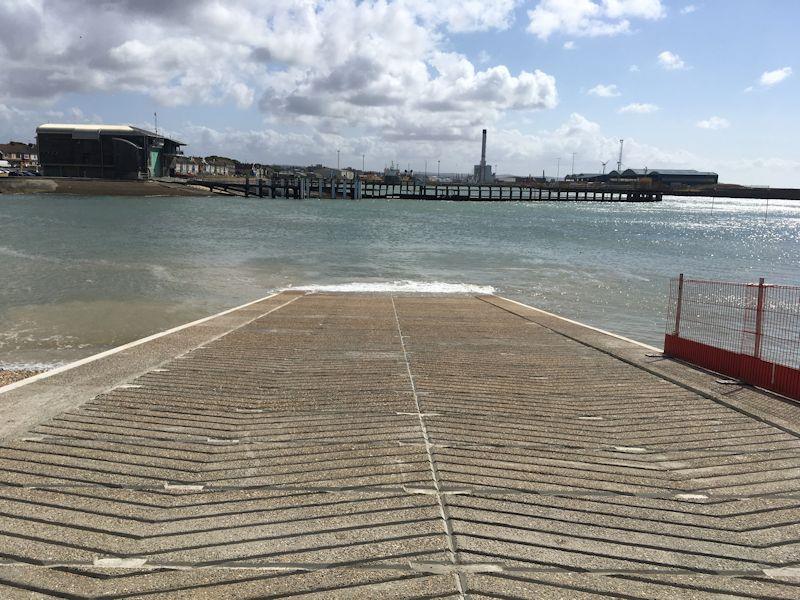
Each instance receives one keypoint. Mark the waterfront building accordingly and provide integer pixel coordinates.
(188, 166)
(20, 156)
(252, 170)
(666, 176)
(218, 166)
(105, 151)
(587, 177)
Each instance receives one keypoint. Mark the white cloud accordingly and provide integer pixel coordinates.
(303, 62)
(605, 91)
(570, 45)
(633, 68)
(770, 78)
(688, 9)
(515, 151)
(714, 123)
(463, 15)
(484, 57)
(671, 61)
(640, 108)
(590, 18)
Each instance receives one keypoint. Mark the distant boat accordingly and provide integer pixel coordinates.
(391, 175)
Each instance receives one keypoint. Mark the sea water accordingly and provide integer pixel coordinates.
(83, 274)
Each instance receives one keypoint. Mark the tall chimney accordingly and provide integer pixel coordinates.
(483, 152)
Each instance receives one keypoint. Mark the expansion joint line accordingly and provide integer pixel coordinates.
(448, 529)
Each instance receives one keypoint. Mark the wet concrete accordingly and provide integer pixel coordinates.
(355, 445)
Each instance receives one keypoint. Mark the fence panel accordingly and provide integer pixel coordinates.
(744, 330)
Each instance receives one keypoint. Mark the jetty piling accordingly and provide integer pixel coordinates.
(334, 188)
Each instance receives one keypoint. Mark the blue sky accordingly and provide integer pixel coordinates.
(704, 84)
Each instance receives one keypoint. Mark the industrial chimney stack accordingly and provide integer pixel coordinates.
(483, 151)
(483, 173)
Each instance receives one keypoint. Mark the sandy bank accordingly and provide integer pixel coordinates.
(95, 187)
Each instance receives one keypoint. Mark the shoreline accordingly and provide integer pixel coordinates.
(96, 187)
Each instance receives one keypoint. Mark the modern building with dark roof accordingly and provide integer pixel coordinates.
(105, 151)
(586, 177)
(668, 176)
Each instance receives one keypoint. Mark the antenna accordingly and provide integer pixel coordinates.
(619, 162)
(155, 116)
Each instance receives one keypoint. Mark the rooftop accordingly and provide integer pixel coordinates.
(99, 128)
(644, 172)
(16, 147)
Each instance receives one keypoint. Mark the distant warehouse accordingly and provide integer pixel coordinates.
(667, 176)
(105, 151)
(671, 177)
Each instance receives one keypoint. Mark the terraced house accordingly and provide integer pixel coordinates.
(20, 155)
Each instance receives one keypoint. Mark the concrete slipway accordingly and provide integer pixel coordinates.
(359, 446)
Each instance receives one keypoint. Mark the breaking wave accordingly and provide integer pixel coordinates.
(409, 286)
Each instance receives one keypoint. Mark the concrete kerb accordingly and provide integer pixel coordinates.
(28, 402)
(630, 351)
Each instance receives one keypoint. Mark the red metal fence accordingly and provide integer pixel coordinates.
(750, 331)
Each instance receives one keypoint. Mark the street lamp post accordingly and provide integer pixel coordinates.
(438, 169)
(338, 156)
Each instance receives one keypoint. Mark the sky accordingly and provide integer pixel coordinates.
(703, 84)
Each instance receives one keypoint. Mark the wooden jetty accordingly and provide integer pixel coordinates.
(303, 188)
(394, 446)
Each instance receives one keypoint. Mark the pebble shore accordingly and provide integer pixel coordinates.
(7, 377)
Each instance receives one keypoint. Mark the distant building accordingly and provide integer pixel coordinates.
(689, 177)
(371, 177)
(587, 177)
(105, 151)
(219, 166)
(506, 178)
(188, 166)
(20, 156)
(252, 170)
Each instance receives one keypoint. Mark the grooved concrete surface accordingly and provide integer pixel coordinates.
(363, 446)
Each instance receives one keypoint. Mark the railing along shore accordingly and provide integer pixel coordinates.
(748, 331)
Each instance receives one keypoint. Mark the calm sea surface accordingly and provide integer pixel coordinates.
(83, 274)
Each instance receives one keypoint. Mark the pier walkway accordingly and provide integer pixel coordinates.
(304, 188)
(395, 446)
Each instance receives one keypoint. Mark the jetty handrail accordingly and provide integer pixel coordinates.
(356, 189)
(749, 331)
